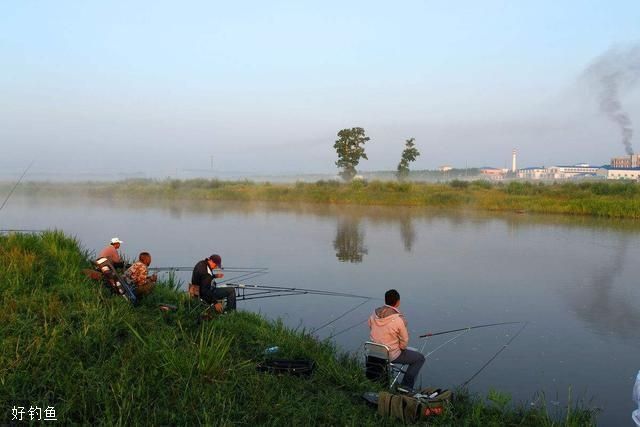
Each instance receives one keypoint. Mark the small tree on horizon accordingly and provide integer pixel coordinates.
(409, 154)
(350, 149)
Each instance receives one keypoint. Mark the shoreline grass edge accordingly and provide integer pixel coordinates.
(69, 344)
(603, 199)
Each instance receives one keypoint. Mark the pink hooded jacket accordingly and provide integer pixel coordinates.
(389, 327)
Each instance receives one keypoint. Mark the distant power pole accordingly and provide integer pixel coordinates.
(212, 162)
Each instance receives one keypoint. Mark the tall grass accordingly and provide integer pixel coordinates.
(68, 343)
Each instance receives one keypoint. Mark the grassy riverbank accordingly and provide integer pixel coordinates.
(68, 344)
(599, 199)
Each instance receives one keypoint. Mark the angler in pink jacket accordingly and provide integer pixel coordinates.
(389, 327)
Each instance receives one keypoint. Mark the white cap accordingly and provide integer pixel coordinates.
(116, 240)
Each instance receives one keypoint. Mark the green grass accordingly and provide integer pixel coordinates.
(598, 199)
(68, 343)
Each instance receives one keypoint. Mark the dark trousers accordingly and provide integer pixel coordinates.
(210, 295)
(415, 360)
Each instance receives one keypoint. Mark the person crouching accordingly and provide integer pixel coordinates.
(137, 275)
(203, 276)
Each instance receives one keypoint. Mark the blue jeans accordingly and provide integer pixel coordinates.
(415, 360)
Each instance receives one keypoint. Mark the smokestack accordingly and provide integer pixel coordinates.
(513, 161)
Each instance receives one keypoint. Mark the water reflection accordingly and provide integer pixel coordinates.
(601, 304)
(407, 232)
(349, 241)
(458, 268)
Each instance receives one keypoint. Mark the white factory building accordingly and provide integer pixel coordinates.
(577, 172)
(581, 170)
(609, 172)
(533, 173)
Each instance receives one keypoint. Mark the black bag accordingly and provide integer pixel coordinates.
(298, 367)
(377, 369)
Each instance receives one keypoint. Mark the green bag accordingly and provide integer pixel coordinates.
(410, 408)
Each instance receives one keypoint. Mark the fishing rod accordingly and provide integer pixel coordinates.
(347, 329)
(252, 296)
(433, 334)
(339, 317)
(16, 184)
(241, 288)
(245, 276)
(226, 269)
(495, 355)
(443, 344)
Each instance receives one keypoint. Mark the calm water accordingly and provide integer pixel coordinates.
(573, 280)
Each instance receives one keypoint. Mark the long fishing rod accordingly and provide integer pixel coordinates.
(347, 329)
(249, 287)
(245, 276)
(252, 296)
(16, 185)
(495, 355)
(433, 334)
(226, 269)
(339, 317)
(443, 344)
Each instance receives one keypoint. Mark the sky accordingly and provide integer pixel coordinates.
(164, 87)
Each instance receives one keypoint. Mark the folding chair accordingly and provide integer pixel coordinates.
(194, 292)
(378, 365)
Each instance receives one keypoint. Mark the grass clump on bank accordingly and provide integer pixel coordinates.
(600, 199)
(69, 344)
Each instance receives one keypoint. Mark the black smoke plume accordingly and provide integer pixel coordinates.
(618, 68)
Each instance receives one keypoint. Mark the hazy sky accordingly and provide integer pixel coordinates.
(263, 86)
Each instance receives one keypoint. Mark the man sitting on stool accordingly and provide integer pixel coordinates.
(389, 327)
(203, 276)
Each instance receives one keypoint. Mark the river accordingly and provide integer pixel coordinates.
(574, 280)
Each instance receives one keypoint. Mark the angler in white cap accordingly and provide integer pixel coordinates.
(111, 252)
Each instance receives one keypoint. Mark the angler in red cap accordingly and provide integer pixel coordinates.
(204, 276)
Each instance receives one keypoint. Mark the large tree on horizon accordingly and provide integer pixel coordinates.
(350, 149)
(409, 154)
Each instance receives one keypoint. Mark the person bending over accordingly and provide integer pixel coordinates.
(389, 327)
(111, 253)
(203, 276)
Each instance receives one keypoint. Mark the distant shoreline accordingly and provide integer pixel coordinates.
(601, 199)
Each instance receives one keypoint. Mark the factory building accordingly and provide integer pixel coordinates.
(578, 171)
(581, 170)
(609, 172)
(626, 162)
(533, 173)
(493, 174)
